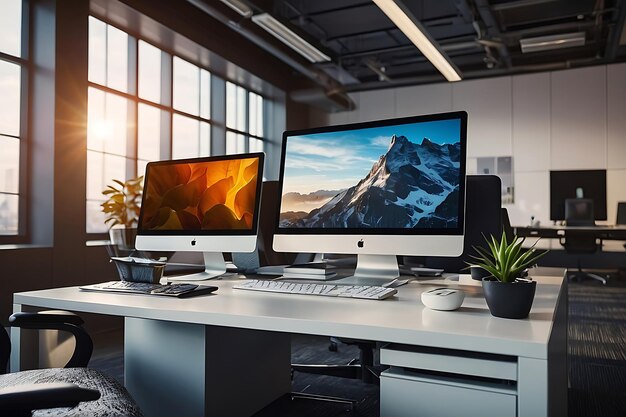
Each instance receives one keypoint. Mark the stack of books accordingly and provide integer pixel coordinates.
(317, 271)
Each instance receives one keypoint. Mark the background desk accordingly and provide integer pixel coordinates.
(555, 232)
(229, 353)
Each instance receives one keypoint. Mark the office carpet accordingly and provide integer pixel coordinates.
(597, 362)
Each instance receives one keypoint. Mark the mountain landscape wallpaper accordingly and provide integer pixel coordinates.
(391, 177)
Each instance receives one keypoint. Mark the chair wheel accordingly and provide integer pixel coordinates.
(332, 347)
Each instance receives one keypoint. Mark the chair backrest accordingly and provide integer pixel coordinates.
(483, 218)
(579, 244)
(506, 224)
(621, 213)
(268, 217)
(579, 212)
(5, 350)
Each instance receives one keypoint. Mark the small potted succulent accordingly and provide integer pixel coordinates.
(508, 293)
(122, 211)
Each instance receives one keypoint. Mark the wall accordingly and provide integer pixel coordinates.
(572, 119)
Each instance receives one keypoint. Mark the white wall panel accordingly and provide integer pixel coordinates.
(532, 198)
(377, 104)
(579, 119)
(616, 115)
(488, 104)
(426, 99)
(616, 191)
(531, 122)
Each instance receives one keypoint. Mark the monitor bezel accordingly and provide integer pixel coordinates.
(203, 232)
(456, 231)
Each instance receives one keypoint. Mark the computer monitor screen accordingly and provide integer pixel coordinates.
(207, 205)
(377, 189)
(577, 184)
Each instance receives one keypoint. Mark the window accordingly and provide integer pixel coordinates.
(12, 117)
(158, 108)
(244, 120)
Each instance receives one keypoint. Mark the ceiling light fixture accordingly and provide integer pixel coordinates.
(546, 43)
(289, 38)
(239, 6)
(410, 26)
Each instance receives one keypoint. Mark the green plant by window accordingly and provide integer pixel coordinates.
(506, 260)
(124, 200)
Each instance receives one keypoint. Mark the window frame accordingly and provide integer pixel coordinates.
(23, 233)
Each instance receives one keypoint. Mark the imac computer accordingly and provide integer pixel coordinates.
(208, 205)
(375, 189)
(589, 184)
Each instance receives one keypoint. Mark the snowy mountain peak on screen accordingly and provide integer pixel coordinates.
(411, 185)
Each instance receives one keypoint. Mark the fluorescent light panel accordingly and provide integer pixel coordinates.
(289, 38)
(412, 31)
(239, 6)
(546, 43)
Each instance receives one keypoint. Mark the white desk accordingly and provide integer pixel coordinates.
(229, 353)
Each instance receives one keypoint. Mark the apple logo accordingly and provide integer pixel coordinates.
(193, 242)
(360, 243)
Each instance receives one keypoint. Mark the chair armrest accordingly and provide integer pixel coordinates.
(50, 320)
(21, 399)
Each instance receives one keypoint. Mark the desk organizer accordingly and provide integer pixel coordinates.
(139, 269)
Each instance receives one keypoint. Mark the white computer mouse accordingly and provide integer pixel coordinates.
(443, 298)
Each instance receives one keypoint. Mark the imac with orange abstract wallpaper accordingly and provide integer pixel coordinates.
(208, 205)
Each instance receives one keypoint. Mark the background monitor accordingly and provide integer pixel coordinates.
(577, 184)
(208, 205)
(375, 189)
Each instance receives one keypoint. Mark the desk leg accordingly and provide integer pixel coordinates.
(192, 370)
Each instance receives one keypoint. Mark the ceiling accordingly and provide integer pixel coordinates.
(480, 37)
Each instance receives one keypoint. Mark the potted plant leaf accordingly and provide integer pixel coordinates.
(122, 211)
(508, 294)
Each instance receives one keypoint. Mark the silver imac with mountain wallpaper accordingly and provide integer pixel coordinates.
(208, 205)
(375, 189)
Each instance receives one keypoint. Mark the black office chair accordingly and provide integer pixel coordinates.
(74, 390)
(580, 212)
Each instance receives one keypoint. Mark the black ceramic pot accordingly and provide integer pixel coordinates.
(509, 300)
(478, 273)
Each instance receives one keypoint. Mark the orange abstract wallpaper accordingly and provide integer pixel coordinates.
(215, 195)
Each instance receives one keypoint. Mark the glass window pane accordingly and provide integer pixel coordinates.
(241, 109)
(117, 59)
(97, 51)
(231, 105)
(9, 165)
(148, 132)
(185, 134)
(11, 27)
(9, 98)
(141, 167)
(95, 175)
(116, 110)
(205, 94)
(205, 139)
(252, 104)
(186, 87)
(95, 218)
(97, 129)
(8, 214)
(235, 143)
(149, 72)
(256, 145)
(259, 116)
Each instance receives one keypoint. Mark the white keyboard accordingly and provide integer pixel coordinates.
(328, 290)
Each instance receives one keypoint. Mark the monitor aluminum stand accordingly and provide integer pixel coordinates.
(214, 267)
(377, 270)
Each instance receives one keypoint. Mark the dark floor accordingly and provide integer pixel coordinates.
(597, 362)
